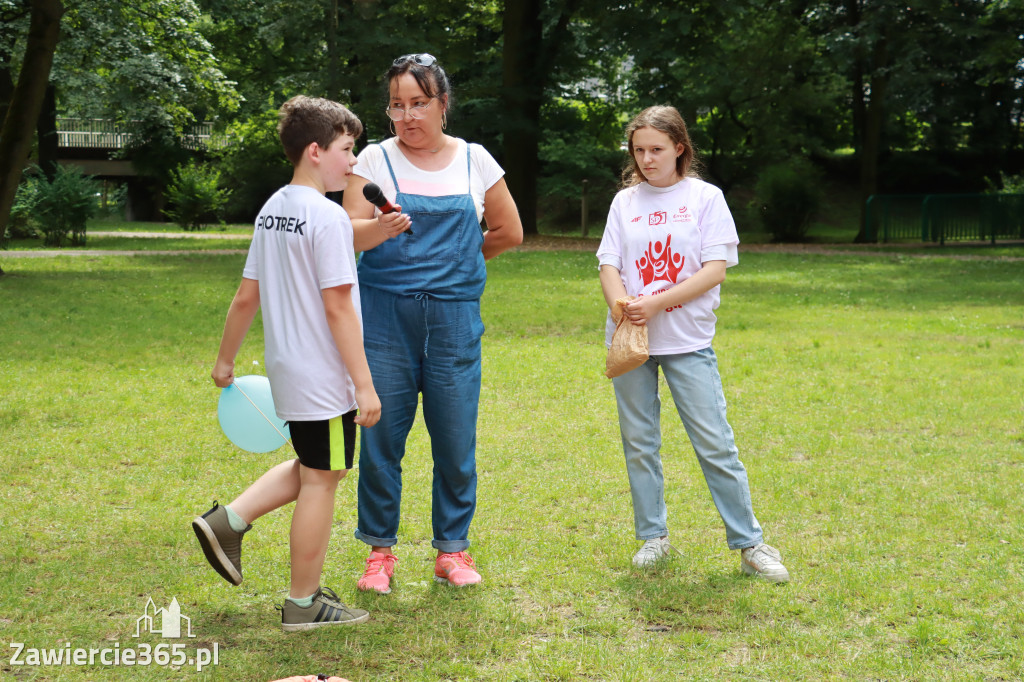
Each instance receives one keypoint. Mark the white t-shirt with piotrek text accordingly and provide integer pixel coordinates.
(302, 243)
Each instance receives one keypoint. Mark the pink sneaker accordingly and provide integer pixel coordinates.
(456, 569)
(377, 576)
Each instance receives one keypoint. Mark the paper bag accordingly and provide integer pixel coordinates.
(629, 343)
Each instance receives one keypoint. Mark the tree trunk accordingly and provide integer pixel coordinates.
(6, 85)
(27, 99)
(522, 93)
(527, 61)
(871, 140)
(46, 133)
(334, 70)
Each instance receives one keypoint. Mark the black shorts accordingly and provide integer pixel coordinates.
(323, 444)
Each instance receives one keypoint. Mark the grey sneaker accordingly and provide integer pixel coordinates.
(221, 544)
(764, 561)
(325, 610)
(652, 552)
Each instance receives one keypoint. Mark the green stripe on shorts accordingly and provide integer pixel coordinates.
(337, 431)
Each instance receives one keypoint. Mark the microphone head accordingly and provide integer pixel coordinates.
(373, 194)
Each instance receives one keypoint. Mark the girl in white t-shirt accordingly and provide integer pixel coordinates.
(668, 241)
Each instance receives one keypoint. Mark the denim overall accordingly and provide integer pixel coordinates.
(420, 296)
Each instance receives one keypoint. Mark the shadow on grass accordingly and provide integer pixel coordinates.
(672, 597)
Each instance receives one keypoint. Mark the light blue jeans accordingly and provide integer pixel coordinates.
(697, 391)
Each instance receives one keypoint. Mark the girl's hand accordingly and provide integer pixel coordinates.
(643, 310)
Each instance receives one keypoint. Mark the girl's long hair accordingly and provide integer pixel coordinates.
(667, 120)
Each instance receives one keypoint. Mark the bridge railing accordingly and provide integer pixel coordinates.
(99, 133)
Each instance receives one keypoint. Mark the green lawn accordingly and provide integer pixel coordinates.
(876, 401)
(115, 224)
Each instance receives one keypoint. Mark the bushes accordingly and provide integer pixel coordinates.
(195, 196)
(787, 195)
(54, 207)
(1008, 184)
(21, 224)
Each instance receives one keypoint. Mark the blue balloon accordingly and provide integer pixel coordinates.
(242, 422)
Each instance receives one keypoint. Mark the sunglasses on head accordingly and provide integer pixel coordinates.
(423, 59)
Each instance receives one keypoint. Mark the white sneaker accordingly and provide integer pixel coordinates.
(652, 552)
(764, 561)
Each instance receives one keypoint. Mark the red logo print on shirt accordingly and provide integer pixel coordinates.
(636, 219)
(659, 263)
(657, 218)
(683, 216)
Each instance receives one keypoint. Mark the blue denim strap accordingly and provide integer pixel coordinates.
(390, 169)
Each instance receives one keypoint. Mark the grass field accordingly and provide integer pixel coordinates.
(876, 401)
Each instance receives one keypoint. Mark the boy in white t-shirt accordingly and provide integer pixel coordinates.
(301, 269)
(667, 243)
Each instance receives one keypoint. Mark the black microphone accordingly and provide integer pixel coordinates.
(372, 193)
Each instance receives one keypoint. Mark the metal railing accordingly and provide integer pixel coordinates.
(893, 216)
(91, 133)
(99, 133)
(952, 217)
(945, 217)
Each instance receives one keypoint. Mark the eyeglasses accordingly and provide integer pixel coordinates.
(423, 59)
(417, 111)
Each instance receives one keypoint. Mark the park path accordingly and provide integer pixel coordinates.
(537, 243)
(47, 253)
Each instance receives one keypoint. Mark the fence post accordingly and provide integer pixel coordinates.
(925, 227)
(867, 219)
(992, 213)
(583, 209)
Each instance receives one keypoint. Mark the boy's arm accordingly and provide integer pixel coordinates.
(240, 316)
(348, 337)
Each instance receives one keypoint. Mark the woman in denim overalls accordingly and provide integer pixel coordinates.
(421, 275)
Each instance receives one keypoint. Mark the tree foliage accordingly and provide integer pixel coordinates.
(922, 91)
(144, 61)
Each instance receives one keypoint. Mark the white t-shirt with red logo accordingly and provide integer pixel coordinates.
(657, 237)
